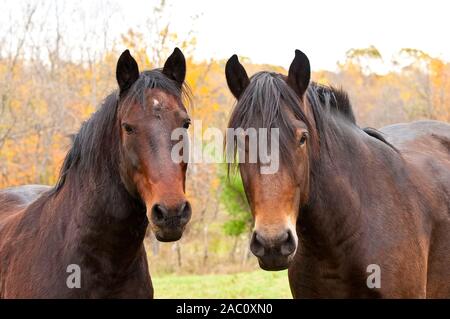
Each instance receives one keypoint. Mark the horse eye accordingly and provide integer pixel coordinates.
(187, 123)
(128, 128)
(303, 139)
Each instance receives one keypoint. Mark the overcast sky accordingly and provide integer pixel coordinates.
(269, 31)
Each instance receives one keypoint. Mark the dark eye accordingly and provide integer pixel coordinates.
(128, 128)
(303, 138)
(187, 123)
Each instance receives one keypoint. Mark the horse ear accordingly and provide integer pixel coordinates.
(237, 78)
(299, 73)
(175, 66)
(127, 71)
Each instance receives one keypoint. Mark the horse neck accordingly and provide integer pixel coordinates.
(101, 215)
(344, 179)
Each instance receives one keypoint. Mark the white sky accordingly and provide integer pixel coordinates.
(270, 31)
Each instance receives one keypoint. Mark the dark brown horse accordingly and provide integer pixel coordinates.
(347, 203)
(117, 178)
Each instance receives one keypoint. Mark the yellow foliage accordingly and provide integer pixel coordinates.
(43, 111)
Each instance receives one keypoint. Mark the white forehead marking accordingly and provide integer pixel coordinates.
(155, 102)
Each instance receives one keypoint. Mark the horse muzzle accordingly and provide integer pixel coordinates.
(168, 223)
(274, 252)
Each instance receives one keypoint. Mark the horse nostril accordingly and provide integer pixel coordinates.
(289, 245)
(159, 213)
(185, 212)
(256, 245)
(282, 245)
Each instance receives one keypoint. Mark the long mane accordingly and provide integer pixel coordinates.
(268, 100)
(94, 148)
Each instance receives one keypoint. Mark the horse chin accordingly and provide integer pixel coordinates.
(169, 236)
(275, 264)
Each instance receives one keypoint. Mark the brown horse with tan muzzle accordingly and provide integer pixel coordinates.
(352, 212)
(117, 178)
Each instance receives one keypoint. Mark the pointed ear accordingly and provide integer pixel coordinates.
(175, 67)
(127, 71)
(237, 78)
(299, 73)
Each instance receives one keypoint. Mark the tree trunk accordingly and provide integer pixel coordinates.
(205, 244)
(233, 249)
(246, 250)
(178, 250)
(155, 245)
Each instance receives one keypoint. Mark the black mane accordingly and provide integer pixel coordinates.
(94, 148)
(334, 98)
(155, 79)
(264, 103)
(337, 100)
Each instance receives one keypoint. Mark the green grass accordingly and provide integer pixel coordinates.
(255, 284)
